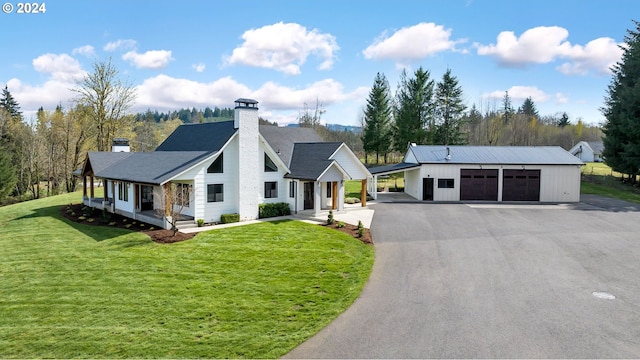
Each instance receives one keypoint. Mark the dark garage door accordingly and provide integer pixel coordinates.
(521, 185)
(478, 184)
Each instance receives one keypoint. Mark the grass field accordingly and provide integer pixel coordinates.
(600, 179)
(255, 291)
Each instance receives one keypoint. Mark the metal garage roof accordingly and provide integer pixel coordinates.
(515, 155)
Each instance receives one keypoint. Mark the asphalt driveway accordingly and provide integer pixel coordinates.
(495, 281)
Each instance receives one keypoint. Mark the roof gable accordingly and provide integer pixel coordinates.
(310, 160)
(199, 137)
(282, 139)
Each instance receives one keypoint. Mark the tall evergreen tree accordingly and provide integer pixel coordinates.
(449, 109)
(7, 175)
(413, 112)
(622, 109)
(10, 104)
(528, 109)
(377, 118)
(564, 120)
(507, 109)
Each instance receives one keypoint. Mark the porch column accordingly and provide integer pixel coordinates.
(317, 198)
(334, 195)
(340, 195)
(84, 186)
(363, 193)
(167, 198)
(106, 191)
(374, 191)
(91, 185)
(113, 193)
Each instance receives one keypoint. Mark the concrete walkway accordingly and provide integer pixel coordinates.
(350, 215)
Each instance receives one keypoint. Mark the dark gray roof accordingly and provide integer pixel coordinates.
(596, 146)
(199, 137)
(145, 167)
(282, 139)
(310, 160)
(538, 155)
(391, 168)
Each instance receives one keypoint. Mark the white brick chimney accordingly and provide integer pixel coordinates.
(246, 121)
(120, 145)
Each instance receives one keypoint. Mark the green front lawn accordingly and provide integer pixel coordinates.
(256, 291)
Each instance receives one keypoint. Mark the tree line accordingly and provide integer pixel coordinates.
(427, 112)
(187, 116)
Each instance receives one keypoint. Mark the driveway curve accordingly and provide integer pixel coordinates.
(495, 281)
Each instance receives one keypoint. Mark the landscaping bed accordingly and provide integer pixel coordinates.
(83, 214)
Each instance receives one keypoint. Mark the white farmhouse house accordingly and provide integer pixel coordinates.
(588, 151)
(223, 168)
(488, 173)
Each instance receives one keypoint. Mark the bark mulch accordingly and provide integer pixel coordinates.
(81, 214)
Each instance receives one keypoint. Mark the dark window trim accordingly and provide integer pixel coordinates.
(446, 183)
(270, 189)
(211, 192)
(217, 166)
(269, 165)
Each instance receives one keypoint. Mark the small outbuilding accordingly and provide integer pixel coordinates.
(588, 151)
(488, 173)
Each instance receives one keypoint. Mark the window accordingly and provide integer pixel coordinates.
(183, 193)
(445, 183)
(269, 165)
(292, 189)
(329, 186)
(215, 192)
(123, 191)
(216, 166)
(270, 189)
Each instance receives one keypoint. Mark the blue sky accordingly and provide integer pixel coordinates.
(287, 53)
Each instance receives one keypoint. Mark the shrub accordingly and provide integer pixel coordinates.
(351, 200)
(330, 219)
(90, 220)
(229, 218)
(200, 222)
(82, 218)
(340, 225)
(273, 209)
(360, 229)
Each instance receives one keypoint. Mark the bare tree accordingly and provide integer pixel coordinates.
(173, 200)
(107, 99)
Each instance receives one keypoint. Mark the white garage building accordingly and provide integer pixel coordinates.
(488, 173)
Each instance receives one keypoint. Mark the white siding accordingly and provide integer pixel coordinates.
(413, 183)
(121, 205)
(350, 163)
(558, 183)
(410, 158)
(441, 172)
(249, 186)
(229, 178)
(275, 176)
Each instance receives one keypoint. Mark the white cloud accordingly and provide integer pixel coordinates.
(60, 66)
(284, 47)
(163, 92)
(411, 43)
(153, 59)
(48, 95)
(198, 67)
(598, 55)
(120, 44)
(561, 99)
(86, 50)
(544, 44)
(520, 93)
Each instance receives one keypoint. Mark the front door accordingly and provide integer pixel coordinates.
(427, 189)
(308, 195)
(146, 198)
